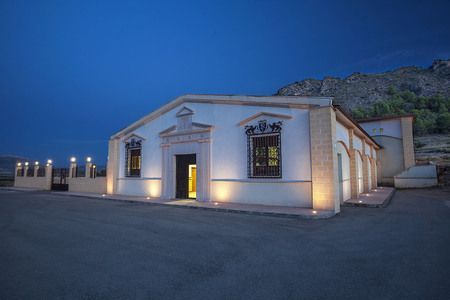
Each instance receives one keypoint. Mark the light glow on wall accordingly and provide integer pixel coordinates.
(154, 188)
(222, 191)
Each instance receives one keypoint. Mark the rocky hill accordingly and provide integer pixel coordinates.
(364, 90)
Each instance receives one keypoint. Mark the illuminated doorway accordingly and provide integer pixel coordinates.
(192, 181)
(186, 176)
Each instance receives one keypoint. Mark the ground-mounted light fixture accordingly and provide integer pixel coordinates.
(103, 195)
(314, 212)
(148, 198)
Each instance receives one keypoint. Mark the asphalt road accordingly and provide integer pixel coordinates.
(60, 247)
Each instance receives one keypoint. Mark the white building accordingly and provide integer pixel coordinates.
(395, 135)
(285, 151)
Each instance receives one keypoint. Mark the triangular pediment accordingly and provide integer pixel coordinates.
(263, 115)
(195, 126)
(185, 111)
(133, 136)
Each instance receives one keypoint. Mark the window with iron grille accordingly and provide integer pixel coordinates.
(264, 155)
(133, 158)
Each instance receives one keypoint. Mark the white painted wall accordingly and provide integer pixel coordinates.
(417, 177)
(357, 143)
(391, 127)
(229, 153)
(367, 150)
(346, 185)
(359, 172)
(342, 134)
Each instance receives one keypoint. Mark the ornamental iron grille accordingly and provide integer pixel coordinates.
(133, 158)
(30, 172)
(264, 150)
(41, 172)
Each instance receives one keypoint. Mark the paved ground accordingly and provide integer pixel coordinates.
(61, 247)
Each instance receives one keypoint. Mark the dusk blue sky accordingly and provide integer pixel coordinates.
(72, 73)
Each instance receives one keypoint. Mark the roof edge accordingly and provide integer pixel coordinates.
(355, 123)
(274, 101)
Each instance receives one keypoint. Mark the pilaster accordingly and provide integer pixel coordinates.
(365, 168)
(88, 169)
(48, 175)
(324, 169)
(353, 167)
(112, 166)
(408, 141)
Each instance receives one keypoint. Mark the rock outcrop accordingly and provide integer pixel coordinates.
(365, 89)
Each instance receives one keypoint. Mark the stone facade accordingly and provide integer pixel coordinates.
(323, 159)
(353, 167)
(408, 141)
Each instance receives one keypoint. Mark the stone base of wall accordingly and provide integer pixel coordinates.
(295, 194)
(150, 187)
(40, 183)
(87, 185)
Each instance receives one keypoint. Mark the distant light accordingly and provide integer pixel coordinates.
(73, 159)
(360, 201)
(314, 212)
(94, 166)
(88, 159)
(19, 164)
(49, 161)
(26, 163)
(36, 163)
(148, 198)
(215, 203)
(47, 164)
(103, 195)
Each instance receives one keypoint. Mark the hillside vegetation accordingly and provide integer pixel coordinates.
(364, 90)
(432, 114)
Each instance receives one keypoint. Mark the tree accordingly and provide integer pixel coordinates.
(443, 122)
